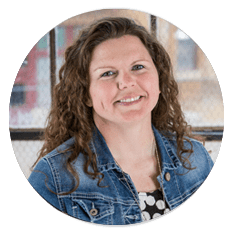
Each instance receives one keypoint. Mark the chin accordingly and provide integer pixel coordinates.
(136, 117)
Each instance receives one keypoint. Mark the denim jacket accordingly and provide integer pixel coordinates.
(115, 204)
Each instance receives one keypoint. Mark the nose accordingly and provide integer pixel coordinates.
(126, 80)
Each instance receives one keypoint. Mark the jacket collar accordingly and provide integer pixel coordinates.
(168, 149)
(105, 160)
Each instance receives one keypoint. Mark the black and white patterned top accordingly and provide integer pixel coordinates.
(152, 204)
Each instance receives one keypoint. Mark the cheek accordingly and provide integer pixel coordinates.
(155, 83)
(152, 85)
(101, 95)
(153, 90)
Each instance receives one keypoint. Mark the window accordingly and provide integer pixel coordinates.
(43, 43)
(186, 52)
(18, 95)
(60, 37)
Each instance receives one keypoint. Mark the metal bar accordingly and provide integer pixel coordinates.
(36, 134)
(52, 60)
(31, 134)
(153, 25)
(204, 128)
(210, 135)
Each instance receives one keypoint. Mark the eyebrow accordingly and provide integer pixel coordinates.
(139, 61)
(103, 67)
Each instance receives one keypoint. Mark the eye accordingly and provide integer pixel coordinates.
(137, 67)
(107, 74)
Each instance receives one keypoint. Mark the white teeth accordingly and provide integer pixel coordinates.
(130, 99)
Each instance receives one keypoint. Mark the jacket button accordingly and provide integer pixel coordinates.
(93, 212)
(167, 176)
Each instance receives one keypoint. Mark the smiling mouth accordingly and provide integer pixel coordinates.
(130, 99)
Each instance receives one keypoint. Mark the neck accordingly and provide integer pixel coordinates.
(128, 141)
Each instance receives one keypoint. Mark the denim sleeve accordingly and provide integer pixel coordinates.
(42, 181)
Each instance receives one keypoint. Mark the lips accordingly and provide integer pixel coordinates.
(129, 98)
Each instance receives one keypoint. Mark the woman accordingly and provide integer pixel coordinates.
(117, 148)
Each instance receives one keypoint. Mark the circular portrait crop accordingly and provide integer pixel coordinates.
(116, 117)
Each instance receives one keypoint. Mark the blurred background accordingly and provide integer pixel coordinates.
(31, 97)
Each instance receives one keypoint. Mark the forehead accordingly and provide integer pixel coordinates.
(127, 46)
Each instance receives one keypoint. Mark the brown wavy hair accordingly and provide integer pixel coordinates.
(70, 115)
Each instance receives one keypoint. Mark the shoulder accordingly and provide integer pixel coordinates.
(49, 175)
(199, 161)
(51, 162)
(57, 159)
(199, 158)
(60, 150)
(48, 163)
(52, 168)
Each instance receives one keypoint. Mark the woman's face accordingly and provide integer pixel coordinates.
(124, 84)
